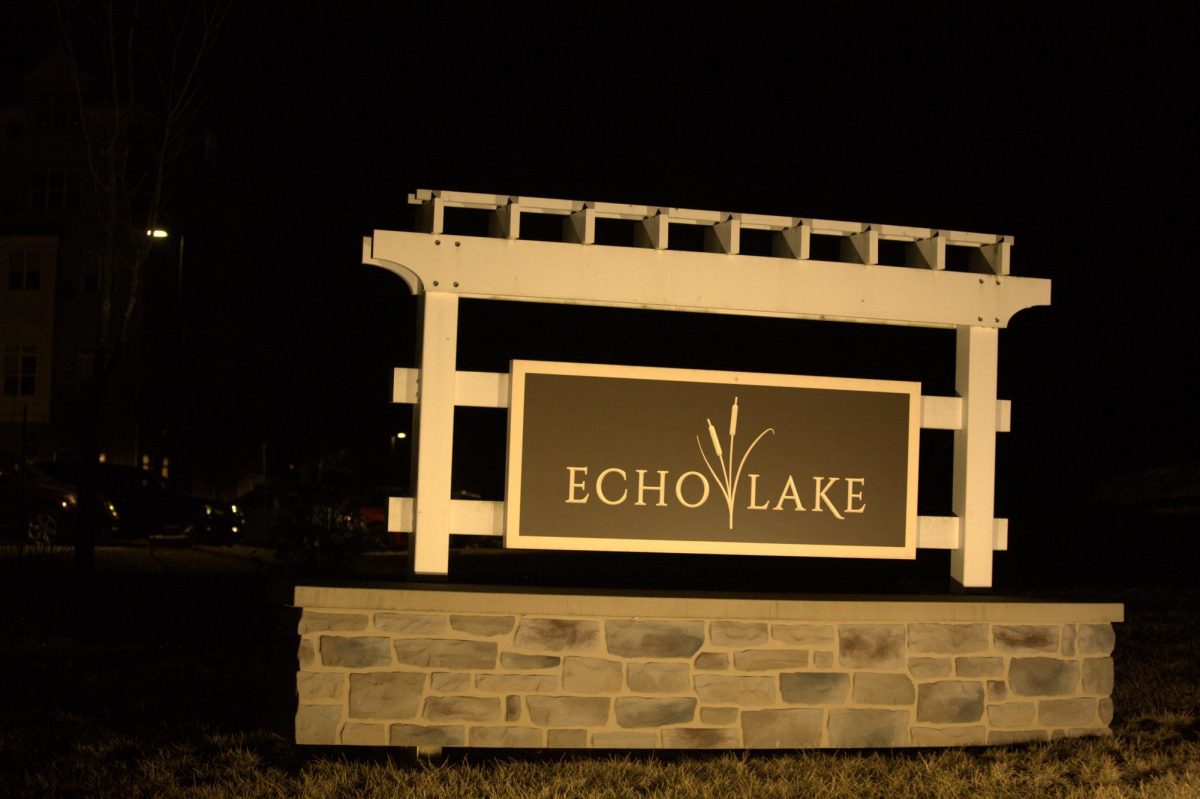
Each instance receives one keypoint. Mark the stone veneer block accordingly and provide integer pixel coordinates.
(422, 735)
(1025, 638)
(809, 635)
(792, 728)
(823, 660)
(449, 681)
(1005, 737)
(506, 737)
(883, 689)
(313, 622)
(871, 646)
(636, 711)
(654, 639)
(1067, 712)
(386, 694)
(354, 653)
(700, 738)
(591, 675)
(324, 686)
(997, 690)
(625, 740)
(929, 668)
(358, 734)
(770, 659)
(524, 683)
(1043, 676)
(659, 678)
(515, 660)
(566, 739)
(1105, 710)
(1097, 676)
(1012, 714)
(318, 724)
(948, 736)
(307, 655)
(462, 708)
(814, 688)
(857, 727)
(737, 633)
(712, 661)
(979, 667)
(446, 653)
(512, 708)
(568, 711)
(1096, 639)
(950, 702)
(1068, 641)
(557, 635)
(411, 623)
(947, 639)
(485, 626)
(742, 691)
(720, 716)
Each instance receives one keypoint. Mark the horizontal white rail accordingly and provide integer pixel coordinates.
(482, 517)
(490, 390)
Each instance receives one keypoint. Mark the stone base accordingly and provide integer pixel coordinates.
(432, 668)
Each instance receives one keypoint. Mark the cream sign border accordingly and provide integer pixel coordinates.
(516, 428)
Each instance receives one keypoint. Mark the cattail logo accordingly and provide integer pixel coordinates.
(728, 477)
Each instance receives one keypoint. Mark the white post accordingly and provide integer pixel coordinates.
(429, 548)
(975, 455)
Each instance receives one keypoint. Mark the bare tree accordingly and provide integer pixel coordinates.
(140, 72)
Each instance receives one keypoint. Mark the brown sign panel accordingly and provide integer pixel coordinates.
(672, 460)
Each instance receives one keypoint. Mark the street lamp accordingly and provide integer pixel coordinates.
(161, 233)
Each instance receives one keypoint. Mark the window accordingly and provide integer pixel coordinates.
(20, 371)
(55, 190)
(24, 271)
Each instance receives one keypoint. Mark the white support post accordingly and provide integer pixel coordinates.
(724, 237)
(431, 216)
(505, 222)
(993, 259)
(977, 358)
(860, 248)
(927, 253)
(793, 242)
(429, 549)
(652, 232)
(580, 227)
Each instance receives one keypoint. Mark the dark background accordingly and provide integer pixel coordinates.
(1071, 128)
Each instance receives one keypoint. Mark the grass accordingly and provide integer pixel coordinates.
(158, 681)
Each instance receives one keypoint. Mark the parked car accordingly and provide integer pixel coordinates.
(35, 508)
(149, 506)
(267, 509)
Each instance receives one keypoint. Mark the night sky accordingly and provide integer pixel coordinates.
(1073, 130)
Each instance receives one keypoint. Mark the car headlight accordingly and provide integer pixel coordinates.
(207, 509)
(233, 509)
(69, 500)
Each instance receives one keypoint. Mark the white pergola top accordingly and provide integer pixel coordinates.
(691, 216)
(647, 273)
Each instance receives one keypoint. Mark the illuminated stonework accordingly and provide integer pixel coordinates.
(431, 669)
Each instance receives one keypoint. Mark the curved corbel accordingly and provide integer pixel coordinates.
(407, 275)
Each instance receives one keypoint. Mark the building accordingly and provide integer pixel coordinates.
(51, 247)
